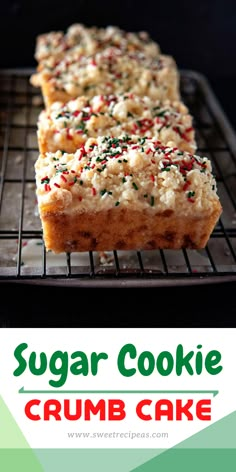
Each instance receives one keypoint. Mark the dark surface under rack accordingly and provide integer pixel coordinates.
(23, 258)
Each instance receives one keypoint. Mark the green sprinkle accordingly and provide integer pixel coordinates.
(135, 186)
(114, 141)
(109, 193)
(124, 180)
(142, 141)
(191, 194)
(81, 182)
(167, 169)
(117, 203)
(152, 201)
(87, 87)
(81, 126)
(145, 195)
(161, 113)
(102, 192)
(125, 160)
(45, 181)
(213, 187)
(130, 114)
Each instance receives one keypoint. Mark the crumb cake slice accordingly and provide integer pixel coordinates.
(79, 39)
(123, 193)
(93, 39)
(67, 126)
(109, 72)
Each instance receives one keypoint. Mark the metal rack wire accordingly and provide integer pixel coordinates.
(22, 253)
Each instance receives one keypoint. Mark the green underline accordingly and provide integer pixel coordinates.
(132, 392)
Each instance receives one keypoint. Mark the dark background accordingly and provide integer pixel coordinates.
(201, 35)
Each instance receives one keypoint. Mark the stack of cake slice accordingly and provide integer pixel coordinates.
(117, 168)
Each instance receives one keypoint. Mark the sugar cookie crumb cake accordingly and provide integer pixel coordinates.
(53, 46)
(67, 126)
(110, 71)
(91, 40)
(123, 193)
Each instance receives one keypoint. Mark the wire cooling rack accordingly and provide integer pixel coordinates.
(22, 253)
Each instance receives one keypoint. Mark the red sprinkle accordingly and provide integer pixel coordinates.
(135, 127)
(148, 151)
(82, 152)
(47, 187)
(80, 199)
(57, 185)
(68, 135)
(191, 200)
(185, 137)
(63, 178)
(94, 192)
(152, 178)
(177, 130)
(186, 185)
(189, 129)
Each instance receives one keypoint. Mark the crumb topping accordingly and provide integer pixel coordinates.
(90, 40)
(138, 173)
(110, 71)
(116, 114)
